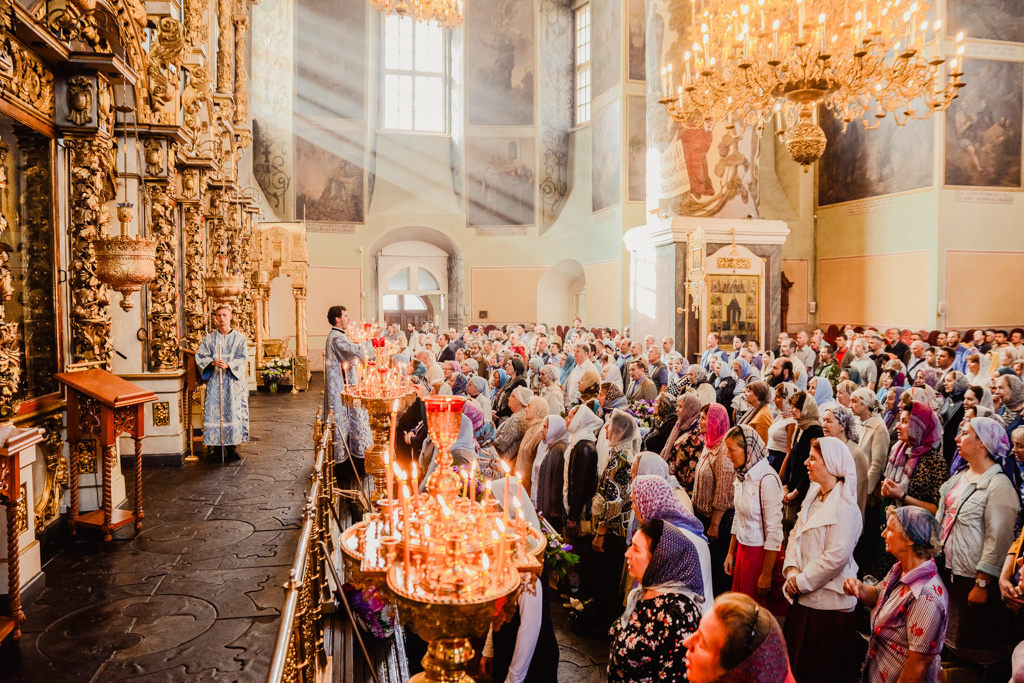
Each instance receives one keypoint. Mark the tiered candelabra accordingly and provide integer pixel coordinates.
(385, 393)
(452, 563)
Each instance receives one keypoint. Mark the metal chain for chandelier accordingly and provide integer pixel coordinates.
(744, 61)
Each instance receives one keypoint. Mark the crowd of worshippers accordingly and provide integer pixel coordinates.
(865, 495)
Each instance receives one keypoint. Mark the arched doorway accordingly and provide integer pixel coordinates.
(420, 262)
(561, 294)
(407, 309)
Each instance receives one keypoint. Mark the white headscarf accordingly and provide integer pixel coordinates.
(529, 512)
(839, 463)
(614, 376)
(583, 427)
(523, 395)
(557, 432)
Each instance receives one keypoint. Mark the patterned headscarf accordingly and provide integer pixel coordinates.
(929, 377)
(453, 366)
(844, 416)
(893, 416)
(674, 560)
(552, 372)
(459, 384)
(653, 499)
(787, 390)
(611, 392)
(992, 433)
(700, 375)
(474, 413)
(924, 434)
(688, 409)
(1016, 401)
(524, 395)
(809, 414)
(480, 383)
(918, 524)
(869, 399)
(665, 408)
(756, 452)
(769, 663)
(960, 385)
(717, 425)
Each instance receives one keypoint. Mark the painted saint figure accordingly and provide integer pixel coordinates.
(221, 358)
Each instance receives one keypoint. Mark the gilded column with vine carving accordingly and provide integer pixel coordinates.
(225, 47)
(92, 163)
(195, 274)
(241, 87)
(163, 291)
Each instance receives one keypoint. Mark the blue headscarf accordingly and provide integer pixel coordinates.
(502, 378)
(421, 370)
(823, 393)
(465, 440)
(459, 385)
(567, 368)
(746, 369)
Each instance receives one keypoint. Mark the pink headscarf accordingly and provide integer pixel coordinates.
(718, 425)
(924, 434)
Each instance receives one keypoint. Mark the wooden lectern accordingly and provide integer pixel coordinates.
(14, 442)
(193, 380)
(103, 405)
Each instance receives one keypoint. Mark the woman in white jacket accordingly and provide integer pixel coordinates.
(820, 629)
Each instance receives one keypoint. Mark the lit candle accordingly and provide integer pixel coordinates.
(664, 82)
(501, 550)
(800, 18)
(415, 477)
(344, 375)
(824, 41)
(775, 40)
(671, 83)
(508, 485)
(686, 74)
(471, 487)
(388, 474)
(465, 483)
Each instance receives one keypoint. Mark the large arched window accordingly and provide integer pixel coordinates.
(416, 56)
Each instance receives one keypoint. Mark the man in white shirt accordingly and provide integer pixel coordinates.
(711, 351)
(863, 364)
(788, 350)
(583, 365)
(668, 345)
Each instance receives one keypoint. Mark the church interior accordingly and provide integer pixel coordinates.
(653, 169)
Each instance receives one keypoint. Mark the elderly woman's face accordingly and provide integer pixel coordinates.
(693, 374)
(896, 541)
(1018, 450)
(513, 404)
(638, 556)
(704, 650)
(812, 385)
(544, 431)
(1003, 389)
(832, 426)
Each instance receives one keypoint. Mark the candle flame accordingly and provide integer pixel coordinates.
(394, 408)
(501, 525)
(484, 562)
(516, 503)
(504, 466)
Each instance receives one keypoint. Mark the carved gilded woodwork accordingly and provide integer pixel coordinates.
(162, 414)
(195, 274)
(225, 48)
(197, 93)
(163, 291)
(79, 98)
(241, 87)
(154, 157)
(21, 511)
(105, 106)
(162, 62)
(76, 20)
(29, 82)
(56, 465)
(92, 163)
(86, 451)
(10, 352)
(197, 31)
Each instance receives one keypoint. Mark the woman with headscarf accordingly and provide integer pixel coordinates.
(498, 380)
(665, 608)
(536, 411)
(533, 373)
(610, 397)
(610, 374)
(515, 367)
(458, 383)
(725, 384)
(657, 501)
(679, 375)
(927, 377)
(1010, 390)
(891, 409)
(910, 607)
(713, 491)
(839, 422)
(821, 626)
(510, 433)
(685, 442)
(977, 369)
(915, 470)
(759, 414)
(874, 441)
(844, 392)
(757, 525)
(552, 391)
(794, 467)
(479, 385)
(701, 384)
(979, 398)
(580, 476)
(590, 386)
(663, 423)
(524, 649)
(977, 509)
(738, 641)
(822, 393)
(952, 412)
(549, 471)
(780, 433)
(611, 508)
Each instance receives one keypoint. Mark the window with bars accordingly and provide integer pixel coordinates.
(583, 65)
(416, 56)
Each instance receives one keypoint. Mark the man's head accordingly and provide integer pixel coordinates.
(223, 317)
(782, 335)
(653, 355)
(542, 343)
(753, 347)
(825, 353)
(892, 335)
(577, 323)
(978, 337)
(840, 341)
(788, 348)
(952, 338)
(801, 339)
(624, 346)
(637, 369)
(944, 358)
(443, 340)
(649, 341)
(917, 348)
(860, 347)
(712, 340)
(636, 349)
(580, 353)
(818, 334)
(875, 343)
(337, 316)
(667, 343)
(1015, 338)
(940, 339)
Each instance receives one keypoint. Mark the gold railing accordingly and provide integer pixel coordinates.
(299, 654)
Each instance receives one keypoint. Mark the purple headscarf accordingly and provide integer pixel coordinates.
(654, 499)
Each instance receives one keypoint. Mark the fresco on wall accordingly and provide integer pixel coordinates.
(983, 127)
(695, 172)
(330, 82)
(636, 149)
(637, 67)
(986, 19)
(605, 45)
(606, 170)
(499, 52)
(328, 186)
(501, 174)
(861, 163)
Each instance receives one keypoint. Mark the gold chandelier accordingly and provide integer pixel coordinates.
(863, 59)
(447, 13)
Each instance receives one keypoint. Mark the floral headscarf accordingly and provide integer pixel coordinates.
(717, 425)
(653, 499)
(756, 452)
(844, 416)
(453, 366)
(769, 663)
(700, 375)
(924, 434)
(1016, 402)
(459, 384)
(993, 435)
(611, 392)
(893, 416)
(674, 568)
(960, 385)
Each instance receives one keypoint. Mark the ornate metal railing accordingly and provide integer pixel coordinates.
(299, 652)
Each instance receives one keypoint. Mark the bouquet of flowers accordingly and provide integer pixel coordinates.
(476, 484)
(372, 610)
(558, 555)
(643, 412)
(276, 369)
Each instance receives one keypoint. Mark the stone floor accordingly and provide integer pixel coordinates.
(196, 596)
